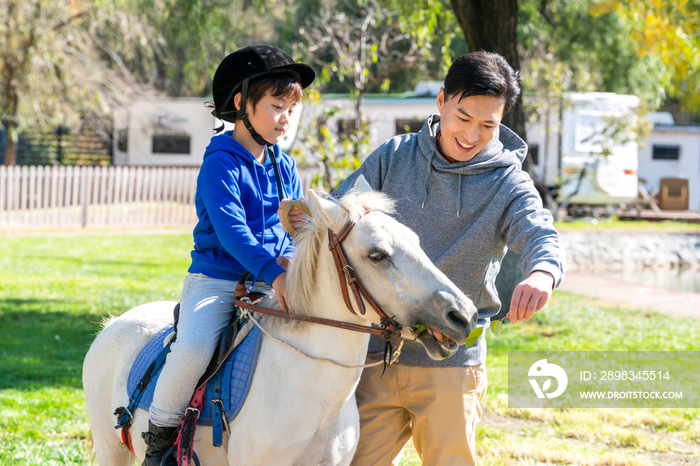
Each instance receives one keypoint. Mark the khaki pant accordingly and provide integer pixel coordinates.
(437, 406)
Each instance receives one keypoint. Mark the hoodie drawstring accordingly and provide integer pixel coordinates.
(262, 204)
(425, 186)
(459, 194)
(427, 176)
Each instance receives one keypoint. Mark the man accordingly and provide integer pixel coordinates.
(458, 184)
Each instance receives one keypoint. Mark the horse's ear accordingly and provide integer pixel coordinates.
(362, 185)
(323, 208)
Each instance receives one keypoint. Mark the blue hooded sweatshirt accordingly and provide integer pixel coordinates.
(236, 201)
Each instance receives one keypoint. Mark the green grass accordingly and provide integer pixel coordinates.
(55, 291)
(615, 223)
(601, 437)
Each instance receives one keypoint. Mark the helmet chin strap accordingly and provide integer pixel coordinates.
(243, 116)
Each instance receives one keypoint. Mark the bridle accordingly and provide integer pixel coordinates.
(389, 328)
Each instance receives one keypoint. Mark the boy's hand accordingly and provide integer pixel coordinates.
(296, 217)
(530, 296)
(284, 261)
(280, 286)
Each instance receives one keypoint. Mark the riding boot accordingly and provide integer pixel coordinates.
(158, 441)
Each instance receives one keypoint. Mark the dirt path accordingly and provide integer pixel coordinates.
(680, 303)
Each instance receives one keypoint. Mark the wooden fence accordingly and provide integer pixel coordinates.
(84, 196)
(55, 197)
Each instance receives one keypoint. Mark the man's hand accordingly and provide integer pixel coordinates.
(530, 296)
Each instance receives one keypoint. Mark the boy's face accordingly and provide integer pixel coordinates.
(270, 116)
(467, 125)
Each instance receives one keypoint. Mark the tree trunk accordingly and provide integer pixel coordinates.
(10, 146)
(9, 122)
(491, 25)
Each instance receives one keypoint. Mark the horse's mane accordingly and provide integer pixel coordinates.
(312, 238)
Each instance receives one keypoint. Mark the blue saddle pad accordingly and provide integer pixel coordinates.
(239, 369)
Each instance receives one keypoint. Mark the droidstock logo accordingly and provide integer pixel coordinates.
(542, 369)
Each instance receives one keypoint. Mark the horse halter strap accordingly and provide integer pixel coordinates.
(349, 279)
(347, 276)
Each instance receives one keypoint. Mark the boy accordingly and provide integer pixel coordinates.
(238, 228)
(458, 184)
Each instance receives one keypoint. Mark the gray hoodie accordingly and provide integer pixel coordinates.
(466, 214)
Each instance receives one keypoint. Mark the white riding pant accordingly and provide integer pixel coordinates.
(206, 306)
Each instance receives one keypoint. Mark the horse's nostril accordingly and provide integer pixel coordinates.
(456, 319)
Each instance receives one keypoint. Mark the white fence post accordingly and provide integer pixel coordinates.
(3, 197)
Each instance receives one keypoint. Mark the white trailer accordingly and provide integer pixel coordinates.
(608, 180)
(171, 132)
(611, 179)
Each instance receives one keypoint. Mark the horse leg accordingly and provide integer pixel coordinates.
(105, 374)
(99, 380)
(108, 453)
(348, 433)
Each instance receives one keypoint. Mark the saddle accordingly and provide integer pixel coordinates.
(223, 387)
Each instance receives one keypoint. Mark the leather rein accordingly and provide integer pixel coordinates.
(389, 328)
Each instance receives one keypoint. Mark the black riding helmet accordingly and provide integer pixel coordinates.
(237, 69)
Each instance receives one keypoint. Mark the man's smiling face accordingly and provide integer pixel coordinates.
(467, 125)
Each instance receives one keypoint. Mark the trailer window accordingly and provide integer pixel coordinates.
(408, 126)
(171, 144)
(665, 152)
(345, 127)
(122, 140)
(534, 152)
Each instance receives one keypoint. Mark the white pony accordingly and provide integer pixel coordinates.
(299, 411)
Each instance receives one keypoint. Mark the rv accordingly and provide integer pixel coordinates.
(171, 132)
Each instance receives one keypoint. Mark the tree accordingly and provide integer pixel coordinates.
(328, 151)
(55, 66)
(195, 35)
(361, 48)
(492, 26)
(648, 49)
(669, 31)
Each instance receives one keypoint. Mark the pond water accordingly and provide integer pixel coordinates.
(682, 280)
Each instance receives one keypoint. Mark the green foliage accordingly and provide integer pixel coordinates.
(606, 46)
(195, 35)
(423, 39)
(335, 156)
(668, 31)
(617, 224)
(473, 336)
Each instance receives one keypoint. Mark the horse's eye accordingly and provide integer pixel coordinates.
(378, 256)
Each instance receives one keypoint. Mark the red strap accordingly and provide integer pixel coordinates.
(126, 441)
(185, 439)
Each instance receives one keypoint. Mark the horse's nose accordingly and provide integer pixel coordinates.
(464, 321)
(458, 312)
(457, 319)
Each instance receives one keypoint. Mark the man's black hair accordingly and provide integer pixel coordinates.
(483, 73)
